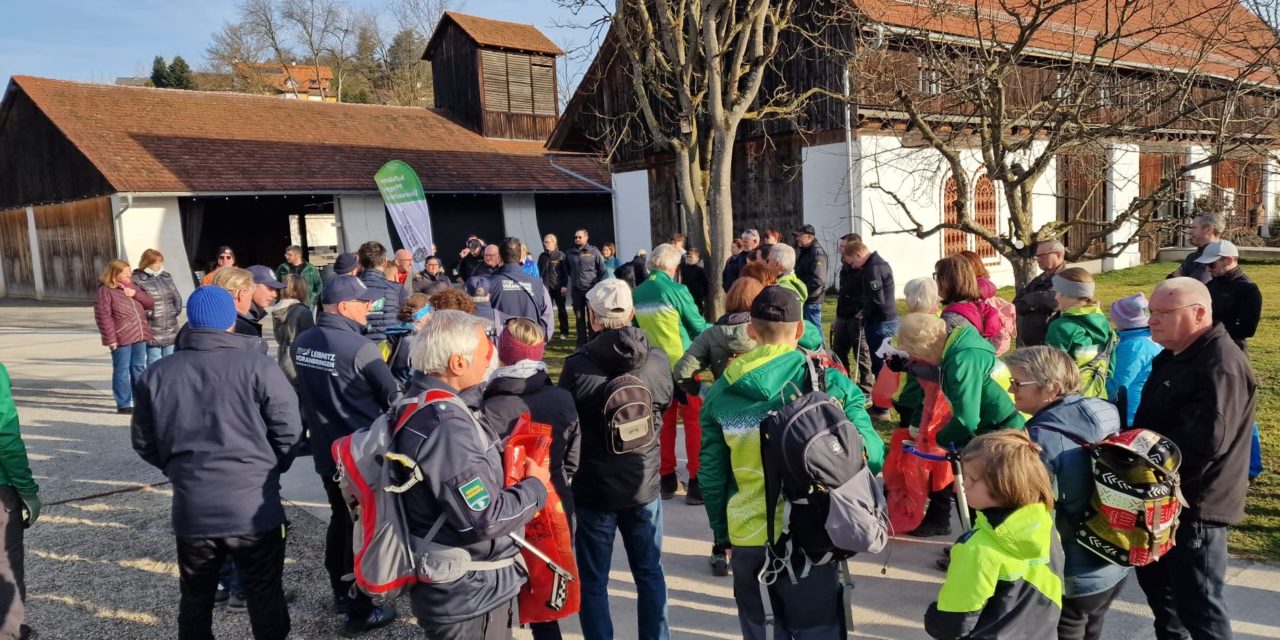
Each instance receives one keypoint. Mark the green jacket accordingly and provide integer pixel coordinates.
(1085, 333)
(732, 474)
(15, 470)
(793, 282)
(1005, 581)
(976, 383)
(667, 314)
(310, 274)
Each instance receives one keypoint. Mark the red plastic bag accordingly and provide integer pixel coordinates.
(887, 384)
(908, 479)
(548, 531)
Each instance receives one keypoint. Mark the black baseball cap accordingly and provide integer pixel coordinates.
(776, 304)
(264, 275)
(346, 288)
(345, 264)
(808, 228)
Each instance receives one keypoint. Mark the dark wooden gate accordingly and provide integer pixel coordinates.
(1163, 218)
(15, 252)
(1082, 198)
(77, 240)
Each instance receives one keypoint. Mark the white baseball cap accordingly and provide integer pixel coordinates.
(1218, 249)
(610, 299)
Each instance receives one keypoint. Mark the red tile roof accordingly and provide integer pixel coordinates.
(1212, 36)
(498, 35)
(277, 76)
(167, 140)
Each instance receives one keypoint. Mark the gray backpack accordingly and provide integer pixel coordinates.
(389, 559)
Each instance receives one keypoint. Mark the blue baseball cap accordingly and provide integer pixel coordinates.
(264, 275)
(345, 288)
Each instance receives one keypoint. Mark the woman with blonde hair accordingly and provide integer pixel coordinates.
(151, 277)
(121, 313)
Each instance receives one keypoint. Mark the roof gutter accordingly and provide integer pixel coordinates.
(551, 158)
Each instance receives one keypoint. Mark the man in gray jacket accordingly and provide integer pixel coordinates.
(223, 444)
(1037, 302)
(462, 488)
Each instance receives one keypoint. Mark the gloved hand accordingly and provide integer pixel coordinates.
(896, 363)
(32, 506)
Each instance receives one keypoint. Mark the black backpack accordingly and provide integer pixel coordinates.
(812, 456)
(629, 424)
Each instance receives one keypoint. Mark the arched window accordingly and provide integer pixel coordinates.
(983, 203)
(953, 240)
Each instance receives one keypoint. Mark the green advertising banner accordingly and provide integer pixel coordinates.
(402, 193)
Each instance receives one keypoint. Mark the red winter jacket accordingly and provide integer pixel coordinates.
(122, 320)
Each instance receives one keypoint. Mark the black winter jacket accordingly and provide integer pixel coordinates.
(463, 480)
(505, 399)
(584, 270)
(732, 268)
(1192, 269)
(849, 296)
(554, 267)
(384, 311)
(221, 421)
(604, 481)
(694, 277)
(1035, 304)
(878, 301)
(811, 268)
(167, 306)
(343, 382)
(1204, 399)
(288, 321)
(424, 282)
(1237, 304)
(513, 292)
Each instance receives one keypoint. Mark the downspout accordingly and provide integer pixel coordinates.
(115, 219)
(855, 225)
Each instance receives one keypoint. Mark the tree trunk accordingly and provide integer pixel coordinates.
(1024, 269)
(720, 216)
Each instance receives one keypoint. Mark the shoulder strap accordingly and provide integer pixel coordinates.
(1070, 436)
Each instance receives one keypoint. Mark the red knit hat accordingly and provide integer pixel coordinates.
(511, 351)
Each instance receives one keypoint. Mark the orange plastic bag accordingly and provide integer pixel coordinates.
(887, 384)
(908, 479)
(548, 531)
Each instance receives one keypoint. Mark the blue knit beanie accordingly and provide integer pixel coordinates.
(211, 307)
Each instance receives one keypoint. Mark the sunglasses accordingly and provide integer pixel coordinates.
(226, 257)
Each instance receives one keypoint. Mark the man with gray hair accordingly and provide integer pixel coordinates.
(1037, 302)
(750, 240)
(1204, 230)
(460, 501)
(617, 492)
(1201, 395)
(783, 259)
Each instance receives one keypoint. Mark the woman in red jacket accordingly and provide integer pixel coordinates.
(121, 313)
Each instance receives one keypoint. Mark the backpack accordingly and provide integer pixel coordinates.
(812, 456)
(1094, 373)
(389, 559)
(629, 425)
(1137, 498)
(1007, 317)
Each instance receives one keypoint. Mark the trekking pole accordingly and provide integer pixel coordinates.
(560, 589)
(952, 456)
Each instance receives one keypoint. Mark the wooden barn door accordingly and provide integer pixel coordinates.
(1082, 198)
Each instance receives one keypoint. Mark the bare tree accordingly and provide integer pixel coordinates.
(422, 15)
(262, 19)
(696, 69)
(232, 45)
(313, 24)
(1029, 85)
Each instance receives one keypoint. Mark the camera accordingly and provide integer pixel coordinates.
(473, 244)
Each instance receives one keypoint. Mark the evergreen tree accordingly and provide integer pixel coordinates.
(180, 76)
(160, 77)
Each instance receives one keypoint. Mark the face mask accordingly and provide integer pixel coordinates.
(156, 271)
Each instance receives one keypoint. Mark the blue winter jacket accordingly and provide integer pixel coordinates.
(385, 310)
(1071, 470)
(1130, 367)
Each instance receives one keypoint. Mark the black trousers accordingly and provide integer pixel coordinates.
(580, 315)
(1082, 617)
(13, 585)
(495, 625)
(846, 335)
(260, 558)
(557, 298)
(339, 559)
(1184, 588)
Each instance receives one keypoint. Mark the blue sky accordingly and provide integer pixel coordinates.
(98, 40)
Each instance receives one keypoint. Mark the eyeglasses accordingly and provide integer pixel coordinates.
(1051, 253)
(1160, 313)
(220, 258)
(1015, 385)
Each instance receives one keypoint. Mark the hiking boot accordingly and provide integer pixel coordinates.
(669, 486)
(380, 617)
(937, 516)
(719, 561)
(878, 414)
(237, 603)
(26, 633)
(340, 605)
(943, 564)
(220, 598)
(694, 493)
(125, 410)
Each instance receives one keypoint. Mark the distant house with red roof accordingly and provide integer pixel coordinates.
(94, 172)
(300, 81)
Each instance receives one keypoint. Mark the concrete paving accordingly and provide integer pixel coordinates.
(100, 562)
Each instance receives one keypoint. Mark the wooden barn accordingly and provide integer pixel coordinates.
(93, 172)
(834, 167)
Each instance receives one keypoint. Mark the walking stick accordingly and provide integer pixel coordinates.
(953, 457)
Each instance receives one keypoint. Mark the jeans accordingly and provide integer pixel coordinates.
(641, 529)
(339, 559)
(128, 362)
(1082, 617)
(813, 313)
(13, 585)
(846, 334)
(689, 407)
(557, 299)
(580, 315)
(155, 353)
(877, 333)
(1255, 454)
(1184, 588)
(261, 558)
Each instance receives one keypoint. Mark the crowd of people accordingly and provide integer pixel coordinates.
(1025, 385)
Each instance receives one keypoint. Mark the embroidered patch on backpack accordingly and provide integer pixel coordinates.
(475, 495)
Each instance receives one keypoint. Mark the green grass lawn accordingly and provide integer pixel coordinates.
(1259, 536)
